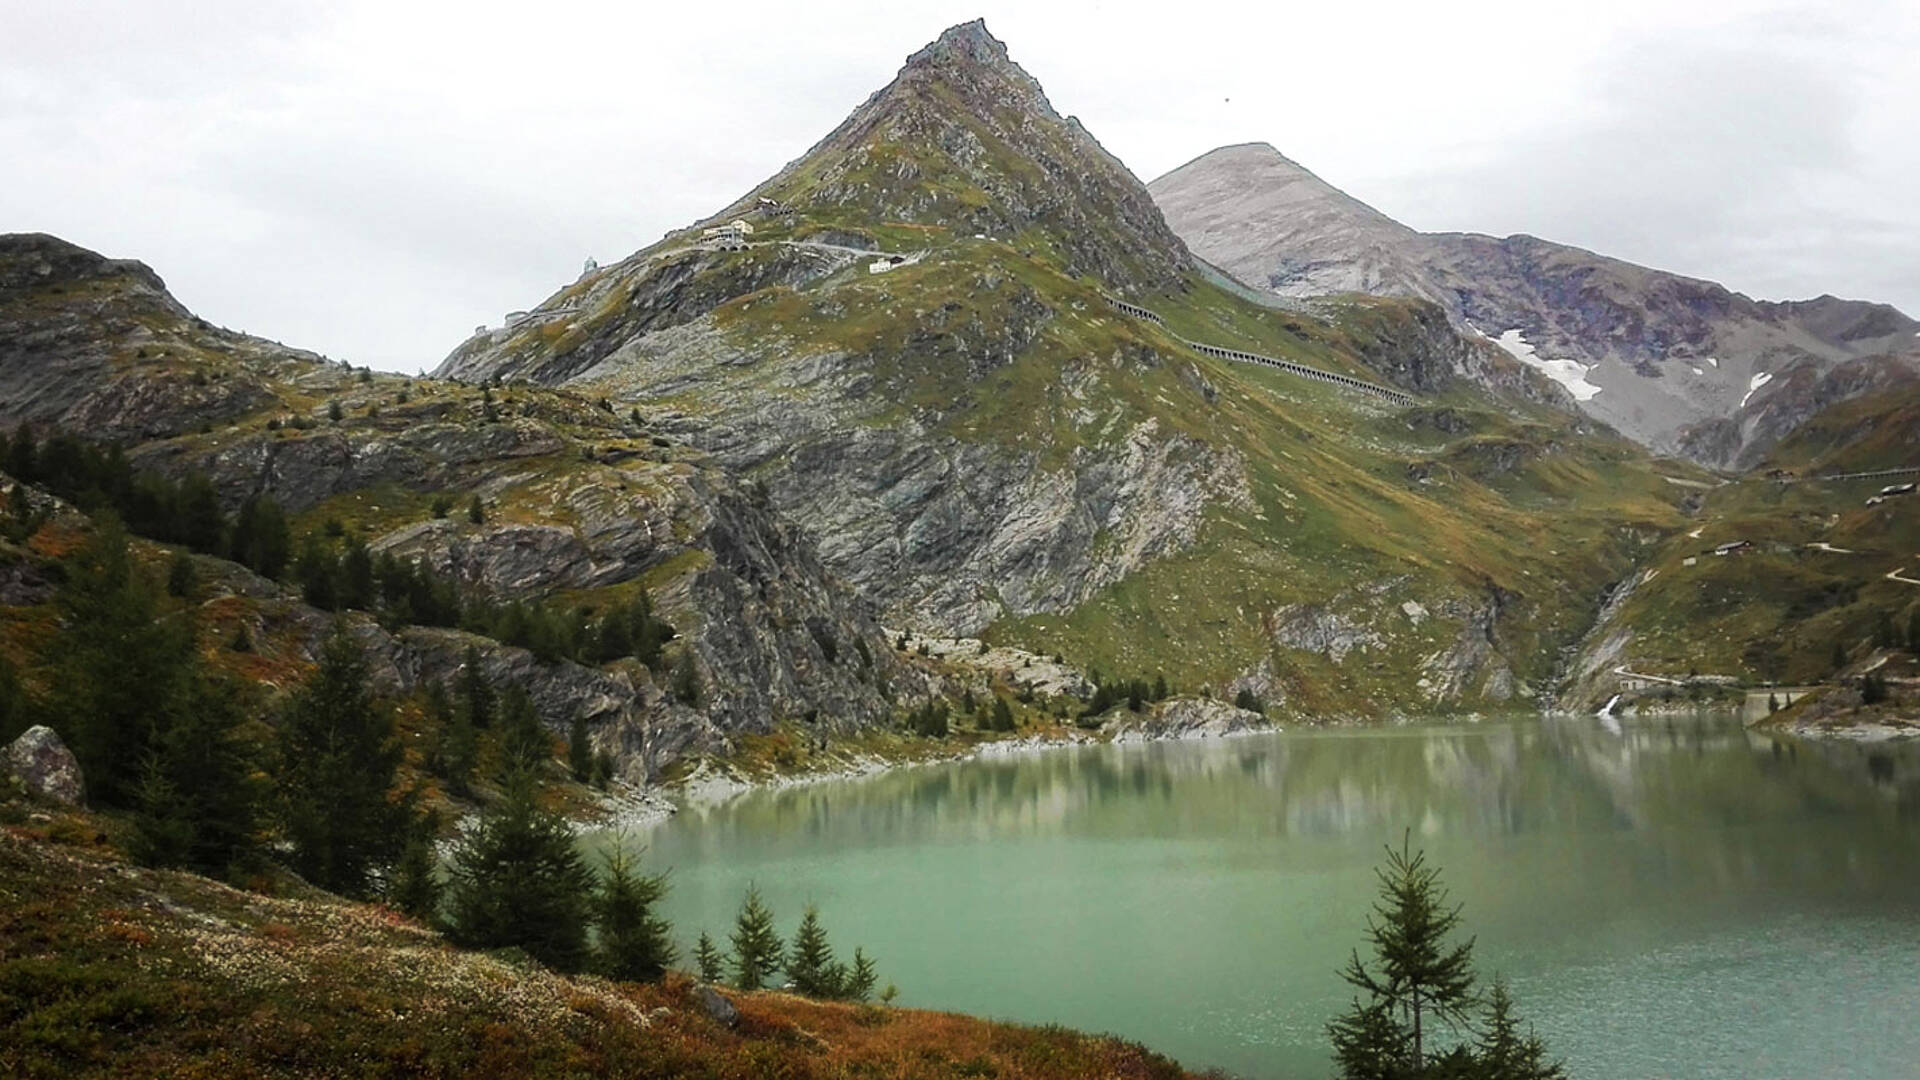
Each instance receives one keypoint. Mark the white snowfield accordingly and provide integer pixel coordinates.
(1760, 379)
(1571, 374)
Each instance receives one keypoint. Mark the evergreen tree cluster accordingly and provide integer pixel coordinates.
(809, 962)
(930, 719)
(1135, 694)
(185, 512)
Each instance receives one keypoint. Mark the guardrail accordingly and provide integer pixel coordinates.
(1288, 366)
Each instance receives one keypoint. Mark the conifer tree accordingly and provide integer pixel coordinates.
(756, 947)
(858, 984)
(711, 961)
(1419, 977)
(181, 577)
(477, 511)
(457, 747)
(1002, 715)
(634, 943)
(579, 750)
(415, 887)
(338, 758)
(476, 692)
(197, 805)
(524, 742)
(1159, 688)
(516, 880)
(810, 964)
(1502, 1052)
(13, 702)
(318, 573)
(118, 670)
(686, 680)
(356, 577)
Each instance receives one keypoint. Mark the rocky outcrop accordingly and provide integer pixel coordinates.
(97, 345)
(1184, 718)
(39, 760)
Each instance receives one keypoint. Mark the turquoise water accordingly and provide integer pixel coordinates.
(1678, 899)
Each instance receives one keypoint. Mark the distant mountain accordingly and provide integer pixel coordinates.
(1679, 364)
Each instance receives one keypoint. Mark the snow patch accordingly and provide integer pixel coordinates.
(1697, 371)
(1759, 380)
(1571, 374)
(1712, 362)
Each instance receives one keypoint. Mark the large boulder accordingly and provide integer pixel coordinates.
(715, 1005)
(45, 765)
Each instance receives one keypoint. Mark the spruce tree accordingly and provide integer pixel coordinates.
(118, 671)
(711, 961)
(13, 702)
(525, 745)
(181, 577)
(516, 880)
(1002, 715)
(858, 984)
(756, 947)
(579, 750)
(415, 886)
(477, 511)
(476, 692)
(457, 747)
(1418, 978)
(1502, 1052)
(686, 680)
(633, 944)
(810, 964)
(338, 759)
(197, 805)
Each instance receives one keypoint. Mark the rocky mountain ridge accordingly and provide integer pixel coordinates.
(578, 502)
(1673, 362)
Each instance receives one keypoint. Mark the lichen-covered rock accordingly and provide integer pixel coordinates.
(44, 764)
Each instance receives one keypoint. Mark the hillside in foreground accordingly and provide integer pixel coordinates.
(111, 970)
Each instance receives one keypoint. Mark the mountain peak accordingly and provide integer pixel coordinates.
(964, 139)
(968, 42)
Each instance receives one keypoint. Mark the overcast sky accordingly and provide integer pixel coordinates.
(372, 180)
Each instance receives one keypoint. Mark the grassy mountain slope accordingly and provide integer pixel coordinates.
(1779, 610)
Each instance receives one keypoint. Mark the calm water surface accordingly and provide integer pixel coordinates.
(1676, 899)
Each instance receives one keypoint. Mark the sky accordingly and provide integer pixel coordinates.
(372, 180)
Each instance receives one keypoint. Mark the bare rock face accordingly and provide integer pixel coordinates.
(45, 765)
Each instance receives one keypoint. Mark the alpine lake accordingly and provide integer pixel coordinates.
(1668, 896)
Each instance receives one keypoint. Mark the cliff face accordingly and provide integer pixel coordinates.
(1653, 354)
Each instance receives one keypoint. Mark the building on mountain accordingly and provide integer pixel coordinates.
(1733, 547)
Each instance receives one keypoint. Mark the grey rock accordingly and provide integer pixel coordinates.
(44, 764)
(1185, 718)
(715, 1005)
